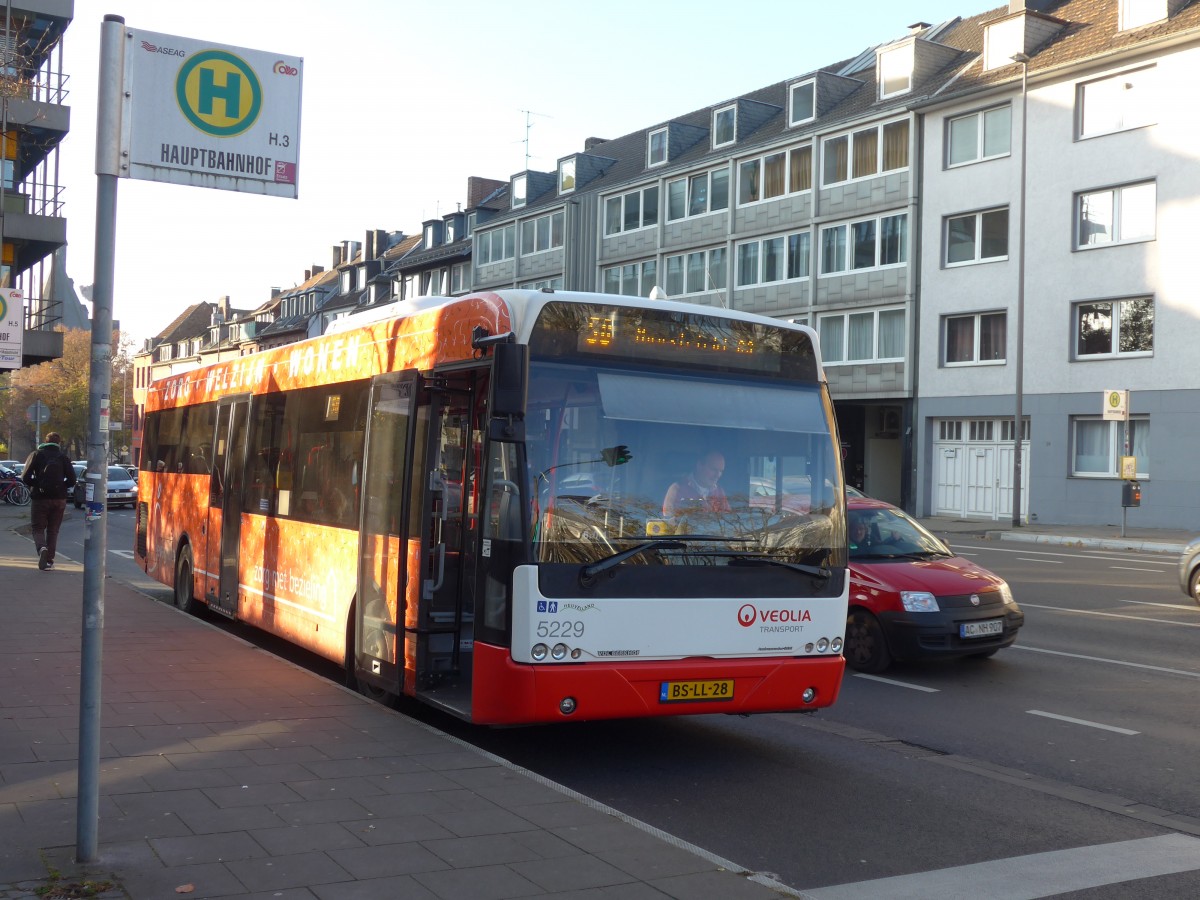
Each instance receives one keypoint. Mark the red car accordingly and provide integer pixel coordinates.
(911, 598)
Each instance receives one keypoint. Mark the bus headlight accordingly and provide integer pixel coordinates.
(539, 652)
(809, 695)
(822, 645)
(559, 651)
(567, 705)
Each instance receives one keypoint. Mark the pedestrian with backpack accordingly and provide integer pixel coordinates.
(50, 478)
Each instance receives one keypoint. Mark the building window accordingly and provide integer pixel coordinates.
(866, 244)
(1118, 103)
(1117, 215)
(520, 189)
(698, 194)
(495, 246)
(1097, 446)
(896, 70)
(1106, 328)
(695, 273)
(977, 339)
(553, 284)
(656, 147)
(631, 279)
(978, 136)
(541, 234)
(802, 102)
(566, 176)
(724, 126)
(781, 258)
(767, 177)
(977, 237)
(862, 154)
(460, 278)
(628, 212)
(1136, 13)
(872, 336)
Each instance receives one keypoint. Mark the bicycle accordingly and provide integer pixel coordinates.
(13, 491)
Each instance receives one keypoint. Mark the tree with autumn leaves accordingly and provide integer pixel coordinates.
(62, 384)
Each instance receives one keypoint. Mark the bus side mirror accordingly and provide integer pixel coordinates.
(510, 382)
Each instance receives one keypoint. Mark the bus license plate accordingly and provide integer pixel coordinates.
(683, 691)
(981, 629)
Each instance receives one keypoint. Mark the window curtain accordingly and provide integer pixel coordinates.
(717, 275)
(674, 276)
(866, 152)
(833, 337)
(891, 334)
(833, 249)
(862, 336)
(747, 266)
(695, 272)
(774, 171)
(748, 182)
(960, 339)
(895, 146)
(1093, 440)
(836, 154)
(698, 189)
(801, 174)
(797, 255)
(993, 331)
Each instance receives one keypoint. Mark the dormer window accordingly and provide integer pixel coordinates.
(656, 147)
(451, 231)
(1001, 41)
(1136, 13)
(430, 236)
(802, 102)
(566, 176)
(724, 128)
(896, 70)
(520, 191)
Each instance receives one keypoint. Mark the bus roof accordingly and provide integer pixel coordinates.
(439, 330)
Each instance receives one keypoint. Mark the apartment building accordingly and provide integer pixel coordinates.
(1107, 134)
(35, 120)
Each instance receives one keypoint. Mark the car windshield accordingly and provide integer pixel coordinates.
(117, 473)
(887, 533)
(734, 470)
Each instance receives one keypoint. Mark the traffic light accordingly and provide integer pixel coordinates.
(616, 456)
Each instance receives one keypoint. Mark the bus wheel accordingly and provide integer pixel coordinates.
(866, 648)
(185, 582)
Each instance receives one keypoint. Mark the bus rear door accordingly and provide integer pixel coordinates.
(225, 515)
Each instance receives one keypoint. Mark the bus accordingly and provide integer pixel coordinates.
(461, 501)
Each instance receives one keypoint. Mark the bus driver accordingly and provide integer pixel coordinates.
(699, 491)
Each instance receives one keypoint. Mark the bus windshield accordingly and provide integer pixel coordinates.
(725, 469)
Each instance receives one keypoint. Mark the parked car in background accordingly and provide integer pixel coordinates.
(911, 598)
(122, 488)
(1189, 570)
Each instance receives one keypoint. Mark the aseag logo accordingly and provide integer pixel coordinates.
(218, 93)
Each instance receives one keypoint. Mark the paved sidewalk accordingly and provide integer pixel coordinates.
(226, 772)
(1099, 536)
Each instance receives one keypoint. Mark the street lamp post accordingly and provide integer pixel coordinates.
(1018, 423)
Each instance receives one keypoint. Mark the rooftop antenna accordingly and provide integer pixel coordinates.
(528, 125)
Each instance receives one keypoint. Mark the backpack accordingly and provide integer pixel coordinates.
(52, 475)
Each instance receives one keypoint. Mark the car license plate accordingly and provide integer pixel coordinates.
(981, 629)
(683, 691)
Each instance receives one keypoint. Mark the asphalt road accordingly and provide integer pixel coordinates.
(1063, 766)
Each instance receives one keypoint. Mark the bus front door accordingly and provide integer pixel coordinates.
(229, 468)
(441, 633)
(383, 558)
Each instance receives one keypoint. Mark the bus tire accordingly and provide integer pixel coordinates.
(866, 648)
(185, 582)
(352, 681)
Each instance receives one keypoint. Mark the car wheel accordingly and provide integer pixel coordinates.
(1194, 584)
(866, 648)
(185, 582)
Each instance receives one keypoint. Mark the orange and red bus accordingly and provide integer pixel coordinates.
(461, 501)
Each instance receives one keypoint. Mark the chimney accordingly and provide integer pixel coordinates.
(381, 241)
(275, 292)
(317, 270)
(369, 245)
(479, 188)
(337, 255)
(1041, 6)
(589, 143)
(917, 27)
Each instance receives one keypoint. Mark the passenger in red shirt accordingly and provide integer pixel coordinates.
(699, 491)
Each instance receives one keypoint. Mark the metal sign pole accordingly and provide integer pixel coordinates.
(108, 135)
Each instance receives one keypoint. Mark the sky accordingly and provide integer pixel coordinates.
(403, 100)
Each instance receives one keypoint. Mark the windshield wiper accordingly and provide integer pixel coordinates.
(816, 571)
(587, 575)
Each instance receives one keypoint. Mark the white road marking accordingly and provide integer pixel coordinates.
(1132, 569)
(1052, 562)
(903, 684)
(1101, 659)
(1168, 561)
(128, 554)
(1073, 721)
(1089, 612)
(1035, 875)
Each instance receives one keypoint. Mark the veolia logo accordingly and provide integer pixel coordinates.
(218, 93)
(746, 615)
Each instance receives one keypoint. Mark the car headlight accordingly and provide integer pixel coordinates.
(919, 601)
(1006, 592)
